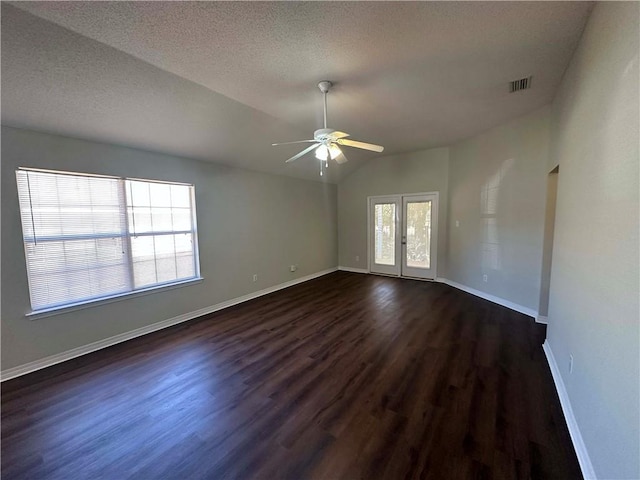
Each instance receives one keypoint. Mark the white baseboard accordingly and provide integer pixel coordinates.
(353, 270)
(492, 298)
(500, 301)
(576, 437)
(123, 337)
(542, 319)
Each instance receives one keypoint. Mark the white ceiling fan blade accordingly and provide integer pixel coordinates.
(337, 135)
(362, 145)
(289, 143)
(303, 152)
(342, 158)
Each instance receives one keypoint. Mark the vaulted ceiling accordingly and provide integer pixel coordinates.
(221, 81)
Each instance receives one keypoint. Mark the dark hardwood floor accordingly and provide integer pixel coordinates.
(344, 377)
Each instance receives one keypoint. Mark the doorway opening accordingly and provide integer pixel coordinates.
(547, 246)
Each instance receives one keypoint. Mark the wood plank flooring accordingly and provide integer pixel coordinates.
(344, 377)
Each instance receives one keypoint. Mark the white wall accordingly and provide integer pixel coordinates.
(422, 171)
(497, 183)
(248, 223)
(593, 305)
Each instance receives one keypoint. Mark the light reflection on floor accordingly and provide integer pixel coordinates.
(384, 293)
(105, 415)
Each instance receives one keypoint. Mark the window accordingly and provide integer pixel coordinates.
(90, 237)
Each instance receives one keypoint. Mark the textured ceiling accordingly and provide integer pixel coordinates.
(220, 81)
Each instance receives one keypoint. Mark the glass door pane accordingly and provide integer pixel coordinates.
(419, 235)
(385, 233)
(418, 251)
(384, 236)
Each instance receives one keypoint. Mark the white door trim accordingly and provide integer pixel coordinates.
(432, 272)
(400, 196)
(392, 270)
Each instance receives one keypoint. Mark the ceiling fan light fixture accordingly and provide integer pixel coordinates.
(334, 151)
(322, 153)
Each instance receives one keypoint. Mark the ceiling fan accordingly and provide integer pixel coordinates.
(327, 141)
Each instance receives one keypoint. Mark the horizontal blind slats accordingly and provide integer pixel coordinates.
(78, 230)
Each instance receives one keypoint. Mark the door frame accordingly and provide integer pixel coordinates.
(400, 196)
(405, 270)
(397, 199)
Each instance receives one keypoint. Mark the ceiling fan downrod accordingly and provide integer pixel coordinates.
(324, 87)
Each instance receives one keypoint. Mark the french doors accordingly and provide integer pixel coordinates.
(403, 235)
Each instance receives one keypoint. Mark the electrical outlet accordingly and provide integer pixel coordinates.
(293, 268)
(255, 277)
(570, 363)
(457, 223)
(357, 258)
(485, 278)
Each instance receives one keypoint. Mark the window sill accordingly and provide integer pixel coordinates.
(48, 312)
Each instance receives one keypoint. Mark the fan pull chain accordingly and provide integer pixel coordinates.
(324, 164)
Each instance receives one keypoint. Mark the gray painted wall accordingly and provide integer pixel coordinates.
(422, 171)
(593, 304)
(493, 184)
(497, 183)
(248, 223)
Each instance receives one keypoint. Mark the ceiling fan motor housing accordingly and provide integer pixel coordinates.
(324, 86)
(323, 134)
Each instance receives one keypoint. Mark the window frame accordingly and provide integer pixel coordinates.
(126, 237)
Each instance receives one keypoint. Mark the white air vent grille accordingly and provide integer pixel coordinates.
(521, 84)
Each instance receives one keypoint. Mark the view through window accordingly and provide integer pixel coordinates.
(89, 237)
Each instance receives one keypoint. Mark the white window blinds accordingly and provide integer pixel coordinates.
(90, 237)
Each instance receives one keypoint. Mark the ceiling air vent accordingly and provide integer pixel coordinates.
(522, 84)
